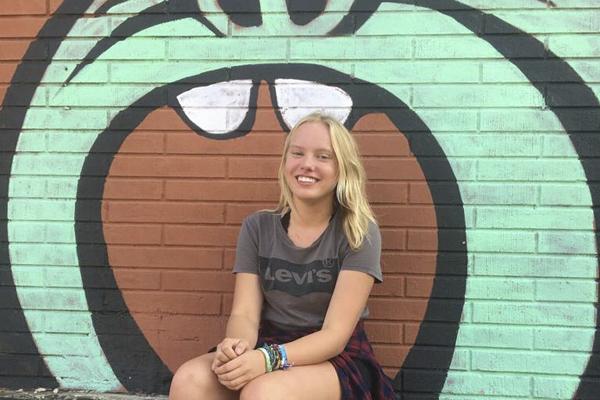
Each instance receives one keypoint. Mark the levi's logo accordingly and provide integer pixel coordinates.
(298, 279)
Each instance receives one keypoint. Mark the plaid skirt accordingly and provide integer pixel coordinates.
(360, 375)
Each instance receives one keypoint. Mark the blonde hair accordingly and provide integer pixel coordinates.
(351, 196)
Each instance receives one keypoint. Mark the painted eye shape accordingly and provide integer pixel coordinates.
(219, 108)
(297, 98)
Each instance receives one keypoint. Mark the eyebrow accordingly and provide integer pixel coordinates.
(152, 16)
(303, 148)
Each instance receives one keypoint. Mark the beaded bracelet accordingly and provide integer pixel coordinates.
(267, 359)
(275, 356)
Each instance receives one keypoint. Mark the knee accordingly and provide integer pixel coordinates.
(259, 389)
(193, 376)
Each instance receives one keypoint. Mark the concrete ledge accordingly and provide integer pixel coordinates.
(58, 394)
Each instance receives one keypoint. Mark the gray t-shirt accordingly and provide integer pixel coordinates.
(297, 283)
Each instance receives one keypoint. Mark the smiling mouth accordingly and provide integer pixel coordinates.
(306, 179)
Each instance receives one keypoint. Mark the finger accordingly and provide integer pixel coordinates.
(241, 347)
(229, 352)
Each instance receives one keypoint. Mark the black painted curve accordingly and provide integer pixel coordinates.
(109, 310)
(20, 348)
(244, 13)
(303, 12)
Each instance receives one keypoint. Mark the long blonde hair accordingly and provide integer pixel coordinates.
(351, 196)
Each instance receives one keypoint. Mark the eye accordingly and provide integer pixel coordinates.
(297, 98)
(218, 109)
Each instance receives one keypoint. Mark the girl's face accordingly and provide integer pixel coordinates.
(311, 170)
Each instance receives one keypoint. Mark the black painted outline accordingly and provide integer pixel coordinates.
(241, 130)
(152, 16)
(11, 121)
(450, 218)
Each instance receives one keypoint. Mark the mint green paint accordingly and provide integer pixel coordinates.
(504, 193)
(563, 339)
(501, 241)
(459, 58)
(132, 6)
(29, 276)
(568, 194)
(528, 313)
(481, 336)
(562, 363)
(561, 243)
(536, 265)
(351, 48)
(532, 170)
(500, 288)
(26, 187)
(564, 290)
(419, 71)
(554, 387)
(484, 385)
(550, 218)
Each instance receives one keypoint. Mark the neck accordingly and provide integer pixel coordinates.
(306, 214)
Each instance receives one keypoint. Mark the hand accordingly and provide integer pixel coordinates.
(235, 374)
(229, 349)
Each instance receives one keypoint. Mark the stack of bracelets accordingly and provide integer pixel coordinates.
(275, 357)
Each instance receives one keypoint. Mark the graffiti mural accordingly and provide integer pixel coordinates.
(148, 129)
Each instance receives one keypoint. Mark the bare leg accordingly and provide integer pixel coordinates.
(307, 382)
(194, 380)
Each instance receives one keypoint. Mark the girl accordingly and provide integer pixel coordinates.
(303, 276)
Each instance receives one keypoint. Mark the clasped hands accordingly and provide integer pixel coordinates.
(235, 364)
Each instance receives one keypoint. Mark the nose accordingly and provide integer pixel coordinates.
(308, 162)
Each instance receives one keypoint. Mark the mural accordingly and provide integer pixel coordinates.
(148, 129)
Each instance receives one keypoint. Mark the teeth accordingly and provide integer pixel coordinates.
(306, 179)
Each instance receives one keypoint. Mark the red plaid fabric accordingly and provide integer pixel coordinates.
(347, 364)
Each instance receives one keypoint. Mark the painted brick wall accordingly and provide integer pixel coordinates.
(136, 136)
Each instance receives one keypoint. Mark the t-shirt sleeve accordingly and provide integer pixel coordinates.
(367, 259)
(246, 253)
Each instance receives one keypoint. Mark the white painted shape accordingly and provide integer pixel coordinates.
(218, 108)
(298, 98)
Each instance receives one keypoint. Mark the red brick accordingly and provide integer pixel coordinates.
(410, 263)
(405, 216)
(386, 144)
(23, 7)
(235, 213)
(169, 212)
(227, 303)
(248, 167)
(228, 259)
(128, 279)
(168, 166)
(266, 121)
(411, 331)
(165, 257)
(150, 322)
(222, 191)
(391, 372)
(201, 235)
(393, 169)
(387, 192)
(132, 234)
(390, 356)
(391, 286)
(53, 5)
(3, 89)
(198, 281)
(397, 309)
(393, 239)
(417, 286)
(384, 332)
(253, 143)
(164, 119)
(169, 302)
(192, 327)
(143, 142)
(422, 239)
(7, 70)
(175, 352)
(13, 49)
(138, 189)
(419, 193)
(20, 27)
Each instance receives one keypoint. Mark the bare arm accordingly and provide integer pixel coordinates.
(347, 303)
(242, 327)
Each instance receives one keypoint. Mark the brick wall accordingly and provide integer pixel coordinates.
(477, 122)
